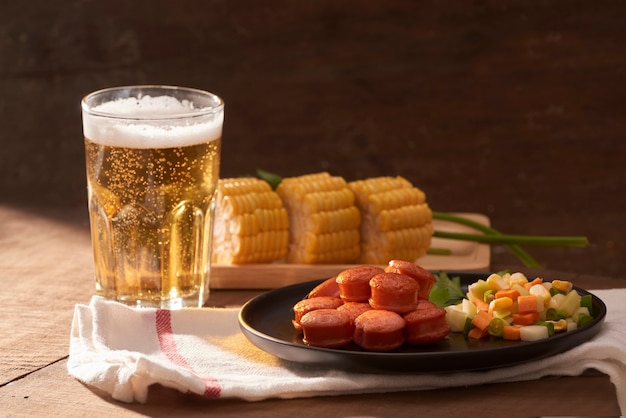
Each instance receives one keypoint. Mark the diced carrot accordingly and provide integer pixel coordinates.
(511, 332)
(477, 334)
(481, 305)
(525, 318)
(481, 320)
(511, 293)
(526, 304)
(536, 280)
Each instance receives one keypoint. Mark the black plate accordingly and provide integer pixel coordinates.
(266, 321)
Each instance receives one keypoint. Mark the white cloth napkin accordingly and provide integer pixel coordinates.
(124, 350)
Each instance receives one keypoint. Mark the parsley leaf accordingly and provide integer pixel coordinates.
(446, 291)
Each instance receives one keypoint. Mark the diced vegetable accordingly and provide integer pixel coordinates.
(477, 333)
(553, 314)
(543, 296)
(512, 294)
(481, 305)
(500, 304)
(583, 319)
(518, 279)
(556, 300)
(554, 292)
(500, 307)
(571, 325)
(519, 310)
(469, 326)
(496, 282)
(526, 304)
(570, 303)
(469, 308)
(549, 325)
(496, 327)
(482, 320)
(521, 289)
(503, 313)
(511, 332)
(537, 280)
(562, 286)
(560, 325)
(586, 301)
(528, 318)
(581, 310)
(477, 290)
(533, 333)
(455, 317)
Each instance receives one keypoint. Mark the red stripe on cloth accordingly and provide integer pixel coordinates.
(168, 346)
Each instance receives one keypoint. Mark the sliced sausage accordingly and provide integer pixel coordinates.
(394, 292)
(424, 278)
(327, 328)
(354, 283)
(379, 330)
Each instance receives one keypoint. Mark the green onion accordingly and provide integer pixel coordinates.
(490, 235)
(496, 327)
(439, 251)
(583, 319)
(273, 179)
(526, 258)
(554, 291)
(548, 325)
(555, 314)
(516, 239)
(513, 242)
(468, 326)
(586, 301)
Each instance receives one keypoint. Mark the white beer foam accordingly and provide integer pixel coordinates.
(165, 133)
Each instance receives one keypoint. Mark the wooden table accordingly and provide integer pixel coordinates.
(46, 268)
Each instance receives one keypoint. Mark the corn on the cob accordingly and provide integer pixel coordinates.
(396, 220)
(251, 223)
(324, 222)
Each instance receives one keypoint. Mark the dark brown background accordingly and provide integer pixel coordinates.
(511, 109)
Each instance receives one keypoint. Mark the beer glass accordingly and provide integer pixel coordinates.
(152, 159)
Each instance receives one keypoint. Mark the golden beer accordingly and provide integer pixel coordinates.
(152, 172)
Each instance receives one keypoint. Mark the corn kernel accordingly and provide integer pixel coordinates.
(503, 314)
(518, 278)
(562, 285)
(560, 325)
(500, 304)
(324, 221)
(396, 220)
(496, 282)
(251, 223)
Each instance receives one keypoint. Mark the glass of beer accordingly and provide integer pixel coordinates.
(152, 158)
